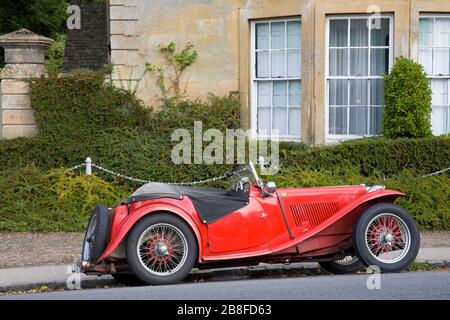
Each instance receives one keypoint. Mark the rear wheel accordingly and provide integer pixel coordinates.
(348, 265)
(161, 249)
(388, 237)
(94, 243)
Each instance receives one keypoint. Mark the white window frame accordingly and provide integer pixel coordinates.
(254, 80)
(334, 138)
(433, 47)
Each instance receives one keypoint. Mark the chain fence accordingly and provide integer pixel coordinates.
(89, 165)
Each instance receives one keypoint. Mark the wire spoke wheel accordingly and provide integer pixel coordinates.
(162, 249)
(388, 238)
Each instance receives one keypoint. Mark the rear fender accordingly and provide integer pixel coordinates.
(129, 222)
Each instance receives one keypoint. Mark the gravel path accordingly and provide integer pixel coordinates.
(39, 249)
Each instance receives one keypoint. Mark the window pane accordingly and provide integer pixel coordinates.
(379, 62)
(262, 36)
(279, 64)
(338, 33)
(440, 120)
(442, 32)
(295, 95)
(262, 64)
(358, 121)
(294, 64)
(440, 94)
(294, 35)
(278, 35)
(280, 120)
(376, 121)
(338, 94)
(377, 92)
(441, 62)
(280, 94)
(359, 33)
(338, 120)
(426, 32)
(264, 122)
(380, 32)
(338, 62)
(358, 92)
(264, 94)
(426, 60)
(358, 62)
(295, 121)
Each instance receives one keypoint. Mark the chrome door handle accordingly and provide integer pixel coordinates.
(263, 215)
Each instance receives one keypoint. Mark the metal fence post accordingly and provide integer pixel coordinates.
(88, 166)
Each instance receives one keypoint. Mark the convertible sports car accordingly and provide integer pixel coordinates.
(163, 231)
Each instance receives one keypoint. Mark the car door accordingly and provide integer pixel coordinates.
(252, 227)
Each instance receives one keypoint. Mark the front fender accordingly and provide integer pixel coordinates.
(125, 226)
(344, 220)
(340, 223)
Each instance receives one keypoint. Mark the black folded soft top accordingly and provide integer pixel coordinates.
(211, 204)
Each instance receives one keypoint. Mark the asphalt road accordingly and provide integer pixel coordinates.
(411, 285)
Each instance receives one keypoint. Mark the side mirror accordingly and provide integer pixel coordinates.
(271, 187)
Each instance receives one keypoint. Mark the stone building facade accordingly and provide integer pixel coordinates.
(309, 68)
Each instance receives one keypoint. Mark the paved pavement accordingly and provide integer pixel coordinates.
(410, 285)
(56, 276)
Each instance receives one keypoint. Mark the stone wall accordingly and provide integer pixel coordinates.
(88, 47)
(24, 57)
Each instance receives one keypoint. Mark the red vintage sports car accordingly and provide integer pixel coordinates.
(163, 231)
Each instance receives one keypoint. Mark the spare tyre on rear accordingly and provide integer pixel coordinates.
(94, 243)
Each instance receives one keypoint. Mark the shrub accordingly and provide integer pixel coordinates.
(55, 200)
(52, 201)
(81, 104)
(407, 101)
(373, 156)
(79, 116)
(54, 55)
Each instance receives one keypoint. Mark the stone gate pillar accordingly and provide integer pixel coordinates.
(24, 57)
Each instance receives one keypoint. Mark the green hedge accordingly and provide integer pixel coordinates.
(375, 155)
(80, 115)
(52, 201)
(55, 200)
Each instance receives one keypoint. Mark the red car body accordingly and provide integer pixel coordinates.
(301, 225)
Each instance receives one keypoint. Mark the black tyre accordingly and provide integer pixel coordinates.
(128, 279)
(161, 249)
(388, 237)
(349, 265)
(94, 243)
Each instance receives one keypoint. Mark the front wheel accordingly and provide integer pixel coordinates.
(348, 265)
(161, 249)
(388, 237)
